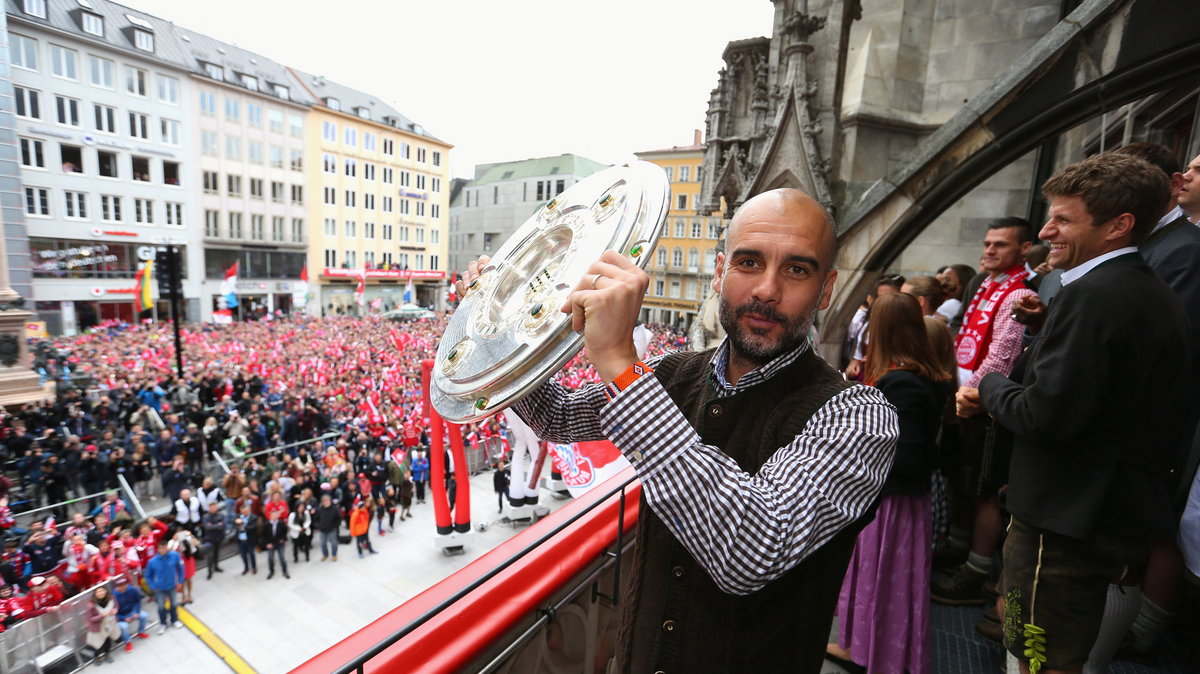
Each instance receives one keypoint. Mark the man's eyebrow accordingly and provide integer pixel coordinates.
(753, 252)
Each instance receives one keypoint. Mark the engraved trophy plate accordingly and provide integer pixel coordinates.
(508, 336)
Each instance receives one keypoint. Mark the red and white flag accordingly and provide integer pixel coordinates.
(584, 465)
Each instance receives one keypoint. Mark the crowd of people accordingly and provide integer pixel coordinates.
(319, 422)
(1044, 458)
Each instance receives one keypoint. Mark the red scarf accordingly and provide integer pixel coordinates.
(976, 334)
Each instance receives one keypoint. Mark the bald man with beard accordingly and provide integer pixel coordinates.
(759, 462)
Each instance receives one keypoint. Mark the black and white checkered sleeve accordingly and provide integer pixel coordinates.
(747, 530)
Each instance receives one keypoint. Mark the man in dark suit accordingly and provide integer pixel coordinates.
(275, 539)
(1094, 420)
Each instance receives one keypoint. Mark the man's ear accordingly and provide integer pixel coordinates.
(1120, 227)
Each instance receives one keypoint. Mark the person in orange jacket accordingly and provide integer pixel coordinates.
(360, 526)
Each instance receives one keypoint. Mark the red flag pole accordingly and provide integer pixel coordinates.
(437, 456)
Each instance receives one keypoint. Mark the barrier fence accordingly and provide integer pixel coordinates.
(33, 645)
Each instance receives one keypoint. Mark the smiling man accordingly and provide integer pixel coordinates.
(758, 461)
(1096, 416)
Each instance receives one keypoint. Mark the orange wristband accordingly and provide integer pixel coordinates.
(630, 375)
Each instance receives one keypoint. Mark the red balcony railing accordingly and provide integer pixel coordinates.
(484, 612)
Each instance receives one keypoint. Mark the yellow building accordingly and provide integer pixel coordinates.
(379, 205)
(682, 269)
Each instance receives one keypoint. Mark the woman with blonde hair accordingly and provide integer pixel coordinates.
(883, 608)
(929, 291)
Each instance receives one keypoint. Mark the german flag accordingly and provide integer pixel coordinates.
(143, 299)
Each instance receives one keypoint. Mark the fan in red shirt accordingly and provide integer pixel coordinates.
(106, 564)
(44, 594)
(13, 607)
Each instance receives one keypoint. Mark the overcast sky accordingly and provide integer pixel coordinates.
(503, 80)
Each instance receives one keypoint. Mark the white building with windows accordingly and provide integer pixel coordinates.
(252, 196)
(501, 197)
(101, 110)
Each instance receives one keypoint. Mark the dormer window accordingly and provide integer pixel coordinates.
(281, 91)
(250, 82)
(362, 112)
(93, 24)
(143, 40)
(332, 103)
(389, 120)
(214, 71)
(35, 8)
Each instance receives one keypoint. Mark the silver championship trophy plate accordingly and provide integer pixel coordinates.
(508, 336)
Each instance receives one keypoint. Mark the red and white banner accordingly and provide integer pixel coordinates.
(418, 274)
(584, 465)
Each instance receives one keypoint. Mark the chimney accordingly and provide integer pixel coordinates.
(697, 135)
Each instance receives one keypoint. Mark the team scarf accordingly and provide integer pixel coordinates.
(976, 334)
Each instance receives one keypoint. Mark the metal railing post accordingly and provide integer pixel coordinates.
(221, 461)
(133, 499)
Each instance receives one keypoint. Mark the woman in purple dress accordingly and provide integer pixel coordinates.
(883, 608)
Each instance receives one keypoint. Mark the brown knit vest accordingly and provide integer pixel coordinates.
(675, 619)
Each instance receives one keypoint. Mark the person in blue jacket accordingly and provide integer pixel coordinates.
(129, 608)
(164, 577)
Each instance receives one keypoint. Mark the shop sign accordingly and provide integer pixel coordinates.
(415, 274)
(114, 232)
(35, 329)
(73, 258)
(251, 286)
(49, 132)
(101, 292)
(414, 195)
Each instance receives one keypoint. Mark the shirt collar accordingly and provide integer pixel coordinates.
(1077, 273)
(1172, 216)
(720, 363)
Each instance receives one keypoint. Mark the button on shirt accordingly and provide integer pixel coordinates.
(745, 530)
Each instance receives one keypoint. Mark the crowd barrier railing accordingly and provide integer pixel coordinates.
(32, 646)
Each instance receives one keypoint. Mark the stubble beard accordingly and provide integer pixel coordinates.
(794, 331)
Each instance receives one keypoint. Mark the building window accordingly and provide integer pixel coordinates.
(693, 260)
(170, 131)
(37, 201)
(714, 228)
(351, 198)
(277, 228)
(696, 229)
(71, 157)
(351, 168)
(276, 157)
(168, 90)
(249, 81)
(68, 110)
(296, 162)
(679, 228)
(254, 152)
(404, 235)
(277, 191)
(275, 121)
(110, 208)
(675, 289)
(435, 184)
(298, 194)
(677, 257)
(330, 257)
(421, 186)
(681, 202)
(107, 162)
(296, 126)
(139, 125)
(232, 110)
(35, 8)
(389, 146)
(351, 137)
(685, 173)
(420, 231)
(281, 92)
(404, 150)
(404, 178)
(404, 207)
(23, 51)
(141, 169)
(143, 40)
(214, 71)
(435, 210)
(420, 260)
(368, 141)
(297, 230)
(233, 186)
(256, 227)
(208, 103)
(135, 81)
(101, 71)
(212, 223)
(369, 202)
(387, 232)
(208, 143)
(256, 188)
(421, 155)
(143, 211)
(421, 209)
(387, 204)
(233, 148)
(254, 115)
(28, 102)
(330, 227)
(368, 230)
(388, 175)
(212, 182)
(33, 153)
(76, 205)
(93, 23)
(437, 158)
(333, 103)
(174, 214)
(662, 257)
(329, 131)
(62, 62)
(368, 171)
(235, 225)
(330, 196)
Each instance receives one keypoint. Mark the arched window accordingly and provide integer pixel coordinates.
(694, 259)
(677, 258)
(710, 260)
(662, 257)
